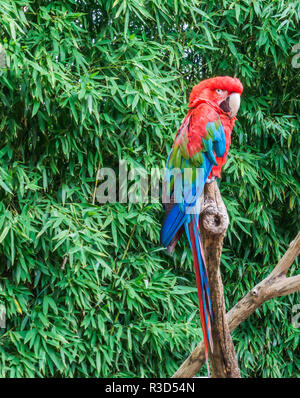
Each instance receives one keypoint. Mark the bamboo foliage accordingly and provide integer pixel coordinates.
(88, 290)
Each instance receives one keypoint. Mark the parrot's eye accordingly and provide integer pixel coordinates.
(219, 91)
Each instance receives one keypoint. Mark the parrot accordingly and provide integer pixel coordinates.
(199, 151)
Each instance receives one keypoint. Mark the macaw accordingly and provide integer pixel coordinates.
(198, 153)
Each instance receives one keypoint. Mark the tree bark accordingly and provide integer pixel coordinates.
(214, 223)
(275, 285)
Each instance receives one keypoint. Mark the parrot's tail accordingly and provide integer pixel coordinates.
(193, 235)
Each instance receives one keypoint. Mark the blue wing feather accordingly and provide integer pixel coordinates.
(175, 218)
(184, 213)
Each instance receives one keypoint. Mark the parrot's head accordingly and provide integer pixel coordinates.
(223, 91)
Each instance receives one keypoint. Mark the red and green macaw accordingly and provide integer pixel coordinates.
(199, 151)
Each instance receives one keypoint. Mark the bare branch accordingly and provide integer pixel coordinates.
(275, 285)
(286, 286)
(289, 257)
(214, 223)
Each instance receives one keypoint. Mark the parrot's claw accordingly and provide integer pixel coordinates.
(209, 180)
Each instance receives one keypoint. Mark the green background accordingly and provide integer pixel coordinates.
(88, 289)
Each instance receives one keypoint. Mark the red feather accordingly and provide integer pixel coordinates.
(205, 108)
(200, 297)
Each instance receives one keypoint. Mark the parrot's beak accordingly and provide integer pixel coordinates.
(231, 104)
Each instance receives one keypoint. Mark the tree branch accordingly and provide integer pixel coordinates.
(275, 285)
(286, 286)
(288, 258)
(214, 222)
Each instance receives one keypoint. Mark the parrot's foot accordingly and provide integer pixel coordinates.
(209, 180)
